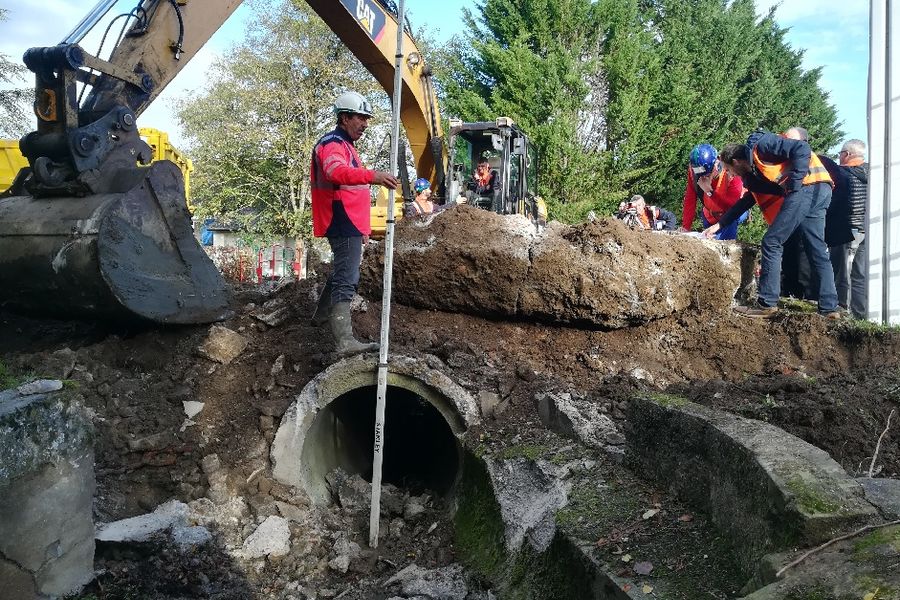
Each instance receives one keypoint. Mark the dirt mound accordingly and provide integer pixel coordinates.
(600, 274)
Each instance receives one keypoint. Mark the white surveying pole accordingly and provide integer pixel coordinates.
(378, 456)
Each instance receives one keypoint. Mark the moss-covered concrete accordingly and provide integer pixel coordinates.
(764, 488)
(39, 430)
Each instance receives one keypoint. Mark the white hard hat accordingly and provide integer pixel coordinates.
(352, 102)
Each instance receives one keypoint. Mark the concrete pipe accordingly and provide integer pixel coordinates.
(331, 425)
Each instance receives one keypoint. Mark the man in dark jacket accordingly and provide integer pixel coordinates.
(856, 171)
(798, 277)
(793, 190)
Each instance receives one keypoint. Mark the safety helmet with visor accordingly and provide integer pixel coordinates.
(352, 103)
(703, 159)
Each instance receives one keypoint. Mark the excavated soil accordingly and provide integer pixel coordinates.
(827, 383)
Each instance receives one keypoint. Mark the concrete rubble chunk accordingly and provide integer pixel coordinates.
(143, 527)
(273, 313)
(529, 497)
(192, 408)
(447, 583)
(40, 386)
(578, 419)
(884, 494)
(222, 344)
(765, 489)
(46, 492)
(351, 492)
(599, 274)
(190, 537)
(271, 538)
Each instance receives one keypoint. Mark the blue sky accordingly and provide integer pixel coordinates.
(834, 34)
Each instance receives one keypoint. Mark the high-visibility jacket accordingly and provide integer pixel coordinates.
(727, 191)
(340, 188)
(770, 204)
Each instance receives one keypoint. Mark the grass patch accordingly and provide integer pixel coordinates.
(7, 379)
(856, 330)
(798, 306)
(530, 451)
(668, 400)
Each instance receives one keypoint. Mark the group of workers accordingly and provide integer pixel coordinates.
(803, 197)
(792, 185)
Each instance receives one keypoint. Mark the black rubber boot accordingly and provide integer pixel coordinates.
(323, 308)
(342, 328)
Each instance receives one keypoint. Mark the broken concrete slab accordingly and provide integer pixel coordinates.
(764, 488)
(271, 538)
(599, 274)
(447, 583)
(884, 494)
(46, 492)
(222, 344)
(143, 527)
(578, 418)
(529, 497)
(40, 386)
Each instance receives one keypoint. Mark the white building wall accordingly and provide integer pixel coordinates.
(883, 227)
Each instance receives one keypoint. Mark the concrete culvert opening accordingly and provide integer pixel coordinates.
(331, 425)
(421, 452)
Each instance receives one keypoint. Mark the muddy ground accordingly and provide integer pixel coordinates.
(832, 384)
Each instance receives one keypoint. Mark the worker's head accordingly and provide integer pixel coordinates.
(422, 187)
(736, 159)
(852, 149)
(797, 133)
(703, 160)
(353, 112)
(638, 202)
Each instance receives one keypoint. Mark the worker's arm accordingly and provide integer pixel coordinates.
(775, 148)
(740, 207)
(689, 212)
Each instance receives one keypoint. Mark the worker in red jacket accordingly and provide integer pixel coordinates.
(718, 191)
(340, 207)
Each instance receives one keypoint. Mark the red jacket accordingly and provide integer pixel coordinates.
(340, 188)
(727, 191)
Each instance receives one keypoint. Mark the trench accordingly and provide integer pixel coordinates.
(421, 452)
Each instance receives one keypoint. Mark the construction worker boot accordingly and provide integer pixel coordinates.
(323, 308)
(342, 328)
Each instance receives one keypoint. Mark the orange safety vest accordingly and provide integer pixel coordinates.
(770, 204)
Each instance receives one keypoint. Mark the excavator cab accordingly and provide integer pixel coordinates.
(511, 159)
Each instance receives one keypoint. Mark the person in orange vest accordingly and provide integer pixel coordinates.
(716, 189)
(637, 214)
(340, 210)
(793, 190)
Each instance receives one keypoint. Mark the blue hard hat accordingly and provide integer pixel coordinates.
(421, 184)
(703, 159)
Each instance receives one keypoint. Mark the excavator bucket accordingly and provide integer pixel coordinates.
(119, 255)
